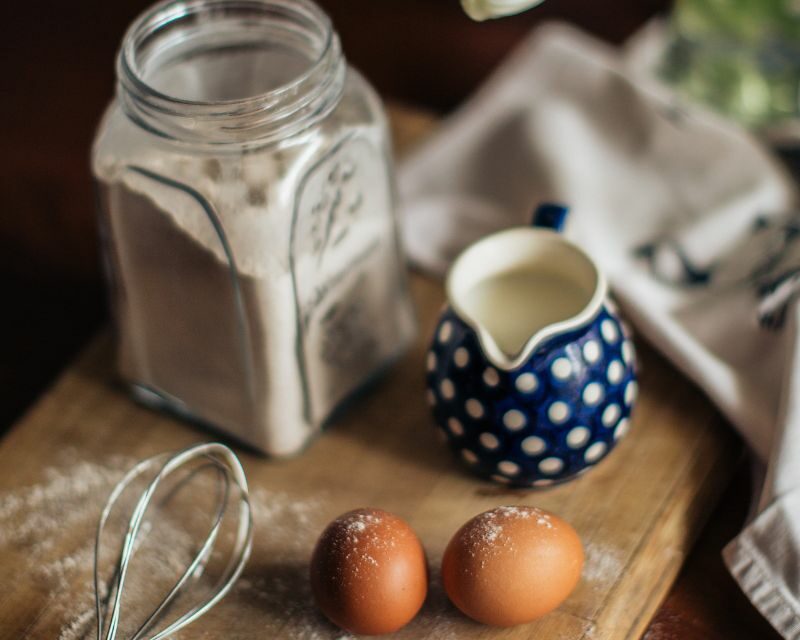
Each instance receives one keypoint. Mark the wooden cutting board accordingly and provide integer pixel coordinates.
(637, 512)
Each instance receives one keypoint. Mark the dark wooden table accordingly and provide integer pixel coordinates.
(57, 63)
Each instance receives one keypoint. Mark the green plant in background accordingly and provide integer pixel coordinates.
(741, 57)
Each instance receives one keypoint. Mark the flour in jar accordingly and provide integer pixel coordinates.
(255, 293)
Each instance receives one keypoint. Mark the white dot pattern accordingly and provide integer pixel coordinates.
(609, 331)
(447, 389)
(431, 361)
(533, 445)
(561, 368)
(489, 441)
(491, 377)
(514, 419)
(508, 468)
(558, 412)
(616, 371)
(578, 437)
(456, 428)
(551, 466)
(445, 331)
(611, 415)
(490, 419)
(595, 452)
(628, 352)
(592, 393)
(591, 351)
(631, 391)
(474, 408)
(527, 383)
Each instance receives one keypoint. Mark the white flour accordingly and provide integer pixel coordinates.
(603, 566)
(271, 599)
(317, 302)
(50, 526)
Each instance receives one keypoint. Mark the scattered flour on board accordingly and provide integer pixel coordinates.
(52, 525)
(603, 565)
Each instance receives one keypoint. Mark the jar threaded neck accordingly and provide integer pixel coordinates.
(236, 72)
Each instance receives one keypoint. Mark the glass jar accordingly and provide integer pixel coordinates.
(247, 219)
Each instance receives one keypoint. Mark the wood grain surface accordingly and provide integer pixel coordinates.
(637, 512)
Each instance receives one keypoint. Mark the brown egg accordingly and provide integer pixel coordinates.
(511, 565)
(368, 572)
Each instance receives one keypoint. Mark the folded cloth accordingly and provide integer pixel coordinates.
(691, 220)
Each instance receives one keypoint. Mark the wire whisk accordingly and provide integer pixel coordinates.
(231, 485)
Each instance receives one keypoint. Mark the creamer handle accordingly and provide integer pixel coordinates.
(550, 215)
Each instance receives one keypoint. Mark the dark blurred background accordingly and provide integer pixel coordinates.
(58, 61)
(57, 64)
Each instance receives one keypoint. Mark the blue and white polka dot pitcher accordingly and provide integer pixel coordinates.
(531, 375)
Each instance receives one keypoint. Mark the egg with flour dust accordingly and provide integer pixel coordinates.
(512, 565)
(369, 574)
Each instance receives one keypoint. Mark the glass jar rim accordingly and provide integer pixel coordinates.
(151, 107)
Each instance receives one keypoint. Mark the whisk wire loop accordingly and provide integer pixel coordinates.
(193, 570)
(230, 471)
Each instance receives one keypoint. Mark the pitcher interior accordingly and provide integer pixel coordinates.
(523, 284)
